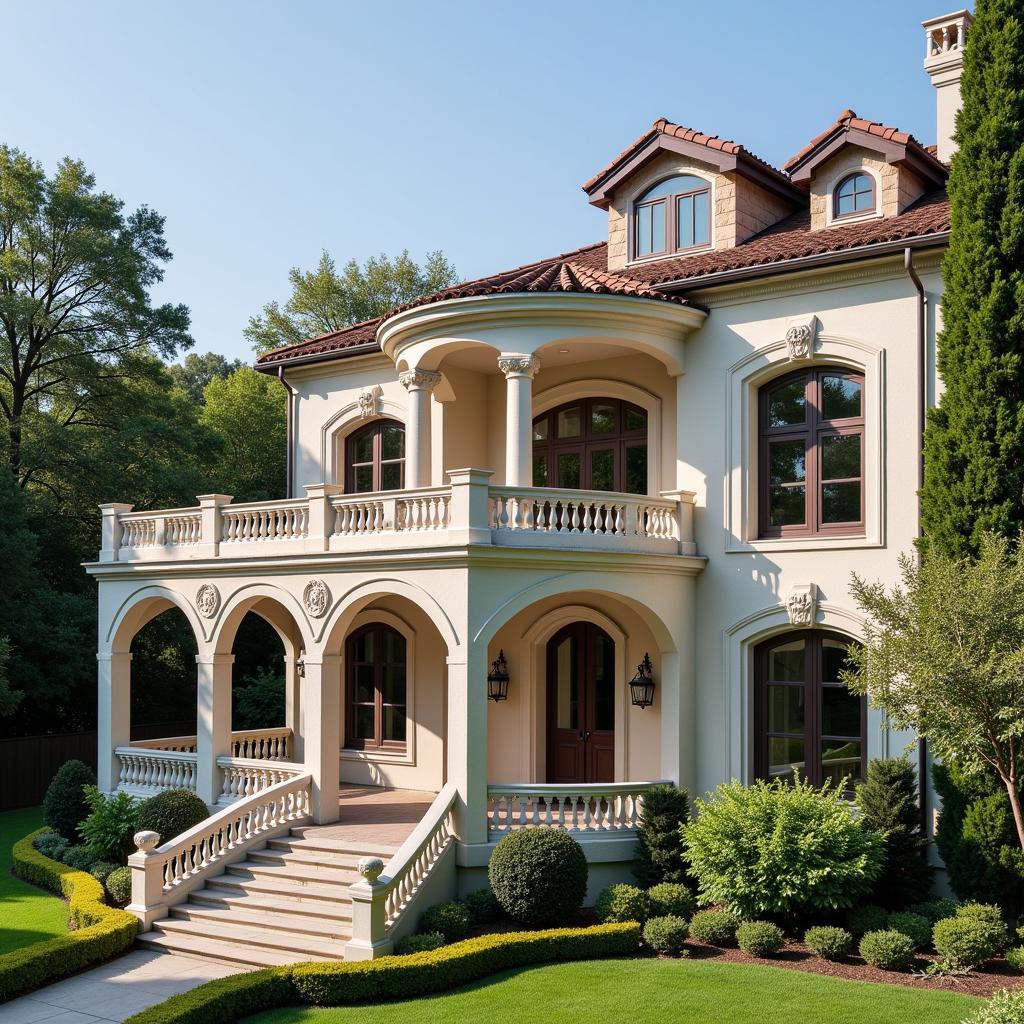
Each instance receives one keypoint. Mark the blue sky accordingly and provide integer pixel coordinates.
(265, 132)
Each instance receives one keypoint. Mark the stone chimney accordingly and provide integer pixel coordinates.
(944, 61)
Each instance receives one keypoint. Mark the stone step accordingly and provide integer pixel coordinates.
(239, 953)
(327, 928)
(272, 940)
(298, 874)
(241, 881)
(269, 903)
(305, 858)
(305, 837)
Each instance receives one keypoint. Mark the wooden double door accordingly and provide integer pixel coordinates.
(581, 705)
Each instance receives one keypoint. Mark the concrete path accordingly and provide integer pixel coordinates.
(113, 991)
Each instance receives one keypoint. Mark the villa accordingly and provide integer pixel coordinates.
(551, 536)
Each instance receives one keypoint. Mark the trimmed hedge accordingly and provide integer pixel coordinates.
(390, 977)
(101, 932)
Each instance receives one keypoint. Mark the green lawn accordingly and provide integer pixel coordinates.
(656, 992)
(27, 914)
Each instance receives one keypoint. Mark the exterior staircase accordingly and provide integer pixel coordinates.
(287, 901)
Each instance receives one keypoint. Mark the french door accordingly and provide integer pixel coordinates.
(581, 705)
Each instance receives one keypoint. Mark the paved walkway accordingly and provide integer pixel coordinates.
(113, 991)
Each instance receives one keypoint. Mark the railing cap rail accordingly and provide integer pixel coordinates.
(153, 513)
(262, 763)
(570, 789)
(272, 505)
(167, 755)
(574, 497)
(412, 846)
(404, 493)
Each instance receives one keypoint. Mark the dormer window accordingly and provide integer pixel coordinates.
(673, 216)
(854, 195)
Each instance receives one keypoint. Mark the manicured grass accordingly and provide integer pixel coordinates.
(27, 914)
(655, 992)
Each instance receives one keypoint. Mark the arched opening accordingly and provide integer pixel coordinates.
(258, 679)
(163, 677)
(375, 458)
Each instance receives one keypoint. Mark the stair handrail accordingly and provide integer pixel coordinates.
(164, 875)
(386, 892)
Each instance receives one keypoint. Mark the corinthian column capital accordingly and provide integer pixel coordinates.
(419, 380)
(518, 364)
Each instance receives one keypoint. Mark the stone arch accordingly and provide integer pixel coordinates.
(275, 605)
(143, 606)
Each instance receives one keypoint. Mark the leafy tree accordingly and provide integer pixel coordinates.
(196, 371)
(943, 654)
(324, 300)
(247, 410)
(974, 476)
(887, 800)
(75, 274)
(258, 701)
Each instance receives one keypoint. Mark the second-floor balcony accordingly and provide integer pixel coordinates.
(469, 510)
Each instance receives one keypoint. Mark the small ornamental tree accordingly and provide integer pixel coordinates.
(943, 654)
(659, 852)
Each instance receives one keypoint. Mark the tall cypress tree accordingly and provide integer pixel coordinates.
(974, 443)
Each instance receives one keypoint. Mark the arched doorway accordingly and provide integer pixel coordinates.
(581, 705)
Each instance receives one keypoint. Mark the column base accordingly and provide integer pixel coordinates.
(358, 950)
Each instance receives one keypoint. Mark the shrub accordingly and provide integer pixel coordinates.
(421, 943)
(119, 886)
(482, 906)
(759, 938)
(51, 844)
(170, 813)
(714, 927)
(110, 825)
(1003, 1008)
(101, 870)
(828, 943)
(81, 858)
(774, 848)
(538, 875)
(101, 932)
(659, 853)
(889, 950)
(1015, 958)
(65, 805)
(621, 902)
(916, 928)
(670, 899)
(964, 943)
(867, 918)
(666, 934)
(935, 910)
(450, 919)
(887, 801)
(991, 916)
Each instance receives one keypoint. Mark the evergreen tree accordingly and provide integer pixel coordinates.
(974, 473)
(659, 854)
(888, 804)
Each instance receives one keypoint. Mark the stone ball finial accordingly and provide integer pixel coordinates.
(146, 841)
(370, 868)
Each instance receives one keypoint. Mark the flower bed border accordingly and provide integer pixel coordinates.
(101, 932)
(389, 978)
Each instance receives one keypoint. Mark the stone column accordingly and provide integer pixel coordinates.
(467, 740)
(321, 715)
(114, 715)
(420, 384)
(213, 722)
(293, 706)
(519, 372)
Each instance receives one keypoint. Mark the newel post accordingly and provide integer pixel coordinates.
(111, 534)
(468, 520)
(209, 507)
(321, 516)
(147, 880)
(685, 501)
(369, 916)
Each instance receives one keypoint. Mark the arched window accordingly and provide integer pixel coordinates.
(375, 711)
(807, 721)
(375, 458)
(812, 454)
(673, 216)
(594, 444)
(854, 194)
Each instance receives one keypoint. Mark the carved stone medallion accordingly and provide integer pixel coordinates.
(316, 598)
(799, 340)
(802, 605)
(207, 600)
(369, 402)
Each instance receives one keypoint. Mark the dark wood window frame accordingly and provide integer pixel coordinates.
(671, 213)
(813, 431)
(620, 441)
(814, 687)
(378, 742)
(376, 428)
(872, 191)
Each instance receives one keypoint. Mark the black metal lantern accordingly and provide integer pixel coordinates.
(641, 686)
(497, 679)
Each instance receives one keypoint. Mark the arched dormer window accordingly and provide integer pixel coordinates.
(673, 216)
(375, 458)
(854, 195)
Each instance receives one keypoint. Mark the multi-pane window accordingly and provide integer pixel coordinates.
(673, 216)
(807, 721)
(375, 670)
(812, 454)
(854, 194)
(595, 444)
(375, 458)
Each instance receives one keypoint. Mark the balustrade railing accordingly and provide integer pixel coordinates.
(265, 521)
(244, 777)
(262, 744)
(147, 771)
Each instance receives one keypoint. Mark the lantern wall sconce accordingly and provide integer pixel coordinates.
(641, 686)
(497, 679)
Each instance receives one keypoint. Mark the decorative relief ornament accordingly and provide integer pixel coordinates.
(802, 605)
(316, 597)
(518, 364)
(207, 600)
(800, 338)
(424, 380)
(369, 402)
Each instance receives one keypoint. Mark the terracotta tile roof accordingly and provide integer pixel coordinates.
(355, 336)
